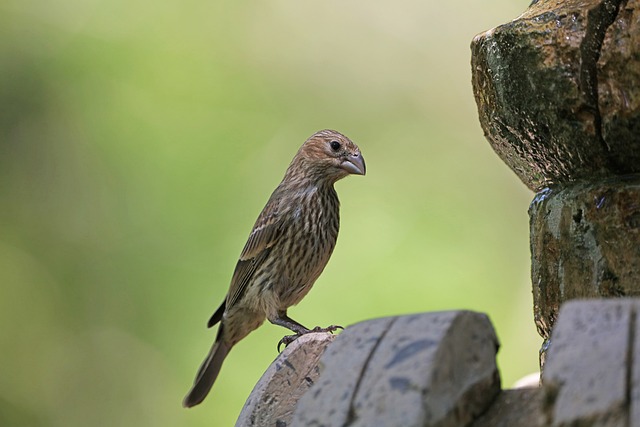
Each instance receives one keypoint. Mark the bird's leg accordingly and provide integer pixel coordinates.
(283, 320)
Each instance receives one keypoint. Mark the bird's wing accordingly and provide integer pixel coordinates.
(264, 235)
(217, 316)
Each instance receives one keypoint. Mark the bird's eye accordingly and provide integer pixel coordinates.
(335, 145)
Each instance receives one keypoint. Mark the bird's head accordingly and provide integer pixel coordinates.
(328, 154)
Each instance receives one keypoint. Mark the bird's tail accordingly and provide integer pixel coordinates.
(207, 373)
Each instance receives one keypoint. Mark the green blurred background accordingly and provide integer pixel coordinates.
(138, 143)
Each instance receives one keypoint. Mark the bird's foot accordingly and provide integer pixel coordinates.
(288, 339)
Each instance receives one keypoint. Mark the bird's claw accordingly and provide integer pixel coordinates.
(287, 339)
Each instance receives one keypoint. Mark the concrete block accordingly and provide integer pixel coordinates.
(520, 407)
(585, 380)
(432, 369)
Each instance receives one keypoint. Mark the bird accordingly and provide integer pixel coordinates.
(287, 250)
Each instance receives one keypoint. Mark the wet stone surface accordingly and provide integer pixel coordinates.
(557, 90)
(585, 243)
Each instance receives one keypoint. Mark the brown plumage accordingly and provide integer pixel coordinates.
(288, 248)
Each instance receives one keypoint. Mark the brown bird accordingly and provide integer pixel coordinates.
(288, 248)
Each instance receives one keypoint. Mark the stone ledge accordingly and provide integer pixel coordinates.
(438, 369)
(431, 369)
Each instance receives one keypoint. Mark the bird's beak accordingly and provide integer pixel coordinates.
(354, 164)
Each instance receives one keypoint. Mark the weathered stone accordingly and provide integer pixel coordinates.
(273, 399)
(619, 87)
(341, 368)
(520, 407)
(585, 243)
(432, 369)
(557, 90)
(585, 380)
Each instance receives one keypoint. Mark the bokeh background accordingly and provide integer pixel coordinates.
(138, 143)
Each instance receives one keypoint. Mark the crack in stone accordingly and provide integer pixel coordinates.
(599, 19)
(352, 416)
